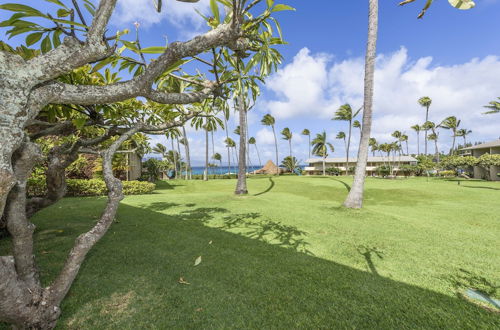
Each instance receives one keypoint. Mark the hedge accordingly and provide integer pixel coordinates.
(92, 187)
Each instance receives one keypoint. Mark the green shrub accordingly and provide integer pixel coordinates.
(333, 171)
(447, 174)
(383, 171)
(92, 187)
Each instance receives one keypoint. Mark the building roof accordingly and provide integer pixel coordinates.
(376, 159)
(486, 145)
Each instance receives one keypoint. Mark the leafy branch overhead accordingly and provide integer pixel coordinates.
(459, 4)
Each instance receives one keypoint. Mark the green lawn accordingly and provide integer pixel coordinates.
(287, 256)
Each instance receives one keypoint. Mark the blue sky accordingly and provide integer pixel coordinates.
(452, 56)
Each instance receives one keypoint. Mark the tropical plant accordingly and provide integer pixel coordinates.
(345, 113)
(398, 135)
(425, 102)
(459, 4)
(253, 141)
(417, 128)
(355, 197)
(451, 123)
(373, 145)
(494, 107)
(218, 157)
(307, 133)
(291, 164)
(463, 132)
(404, 138)
(269, 120)
(320, 148)
(287, 135)
(434, 136)
(160, 149)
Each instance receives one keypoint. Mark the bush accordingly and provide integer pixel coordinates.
(447, 174)
(333, 171)
(383, 171)
(93, 187)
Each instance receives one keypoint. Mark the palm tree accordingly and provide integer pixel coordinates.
(355, 197)
(494, 107)
(345, 113)
(185, 141)
(451, 123)
(434, 136)
(404, 138)
(357, 124)
(463, 133)
(287, 135)
(160, 149)
(218, 157)
(342, 136)
(173, 134)
(308, 133)
(373, 145)
(398, 135)
(230, 144)
(426, 103)
(417, 128)
(269, 120)
(290, 163)
(320, 148)
(254, 142)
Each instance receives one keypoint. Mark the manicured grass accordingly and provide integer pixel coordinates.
(286, 256)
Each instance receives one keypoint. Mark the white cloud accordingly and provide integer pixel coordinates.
(265, 137)
(181, 14)
(314, 86)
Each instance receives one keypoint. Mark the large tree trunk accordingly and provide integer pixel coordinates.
(355, 197)
(228, 148)
(241, 185)
(426, 130)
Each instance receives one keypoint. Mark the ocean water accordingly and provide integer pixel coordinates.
(224, 169)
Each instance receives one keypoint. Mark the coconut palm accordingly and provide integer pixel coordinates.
(404, 138)
(173, 134)
(357, 124)
(287, 135)
(254, 142)
(230, 144)
(373, 145)
(494, 107)
(417, 128)
(290, 163)
(426, 103)
(269, 120)
(208, 124)
(355, 197)
(342, 136)
(218, 157)
(185, 142)
(398, 135)
(320, 148)
(434, 136)
(308, 134)
(463, 133)
(160, 149)
(345, 113)
(451, 123)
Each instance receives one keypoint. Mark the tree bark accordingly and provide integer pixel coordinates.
(241, 185)
(205, 173)
(348, 148)
(355, 197)
(426, 130)
(188, 158)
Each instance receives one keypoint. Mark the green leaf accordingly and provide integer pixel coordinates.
(56, 38)
(33, 38)
(57, 2)
(63, 13)
(282, 7)
(462, 4)
(215, 10)
(46, 46)
(79, 122)
(153, 50)
(21, 8)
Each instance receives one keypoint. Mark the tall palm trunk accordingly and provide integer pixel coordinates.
(290, 146)
(276, 147)
(348, 147)
(418, 143)
(228, 147)
(407, 149)
(309, 145)
(426, 131)
(452, 151)
(175, 158)
(205, 173)
(213, 148)
(355, 197)
(437, 150)
(324, 166)
(258, 154)
(241, 185)
(188, 158)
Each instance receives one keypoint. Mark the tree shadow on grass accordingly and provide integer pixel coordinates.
(164, 185)
(481, 187)
(268, 188)
(251, 225)
(240, 283)
(367, 252)
(159, 206)
(348, 187)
